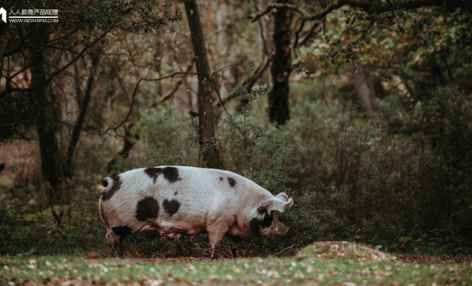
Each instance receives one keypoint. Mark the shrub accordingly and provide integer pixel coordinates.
(399, 181)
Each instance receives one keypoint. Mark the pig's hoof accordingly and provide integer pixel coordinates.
(215, 255)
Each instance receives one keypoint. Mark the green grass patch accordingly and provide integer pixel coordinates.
(18, 270)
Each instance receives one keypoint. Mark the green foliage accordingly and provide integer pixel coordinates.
(11, 219)
(398, 181)
(22, 231)
(445, 131)
(363, 183)
(267, 162)
(167, 138)
(247, 136)
(267, 158)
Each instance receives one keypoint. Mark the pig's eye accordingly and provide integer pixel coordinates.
(266, 220)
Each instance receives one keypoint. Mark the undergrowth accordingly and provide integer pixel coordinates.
(400, 181)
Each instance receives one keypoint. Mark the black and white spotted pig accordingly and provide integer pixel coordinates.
(185, 201)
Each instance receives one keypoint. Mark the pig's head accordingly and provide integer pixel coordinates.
(262, 222)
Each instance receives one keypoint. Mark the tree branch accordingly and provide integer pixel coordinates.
(133, 96)
(7, 91)
(297, 33)
(247, 84)
(68, 170)
(174, 90)
(20, 46)
(371, 6)
(304, 15)
(310, 34)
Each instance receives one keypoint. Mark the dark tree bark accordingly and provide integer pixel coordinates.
(3, 44)
(128, 143)
(68, 170)
(279, 112)
(46, 119)
(437, 74)
(206, 129)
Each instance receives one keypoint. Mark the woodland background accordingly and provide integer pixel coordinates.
(359, 110)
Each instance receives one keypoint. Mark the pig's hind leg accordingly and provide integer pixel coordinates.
(116, 243)
(113, 240)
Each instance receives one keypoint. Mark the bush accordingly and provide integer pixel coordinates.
(400, 181)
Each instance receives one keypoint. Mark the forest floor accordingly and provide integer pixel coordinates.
(399, 270)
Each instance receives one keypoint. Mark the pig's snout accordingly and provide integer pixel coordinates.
(281, 231)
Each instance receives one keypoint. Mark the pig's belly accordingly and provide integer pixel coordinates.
(172, 229)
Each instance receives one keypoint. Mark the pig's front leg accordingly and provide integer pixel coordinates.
(215, 235)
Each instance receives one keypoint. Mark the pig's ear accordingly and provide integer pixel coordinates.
(279, 203)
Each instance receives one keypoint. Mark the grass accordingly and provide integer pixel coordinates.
(269, 271)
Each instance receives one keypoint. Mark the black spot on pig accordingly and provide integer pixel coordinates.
(255, 223)
(171, 174)
(231, 182)
(176, 193)
(122, 231)
(116, 186)
(267, 221)
(105, 183)
(254, 226)
(171, 207)
(153, 173)
(221, 179)
(147, 208)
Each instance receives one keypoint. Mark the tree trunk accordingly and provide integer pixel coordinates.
(46, 121)
(225, 22)
(363, 92)
(206, 129)
(438, 73)
(3, 44)
(279, 112)
(69, 170)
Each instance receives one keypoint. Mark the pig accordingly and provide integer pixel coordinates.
(177, 201)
